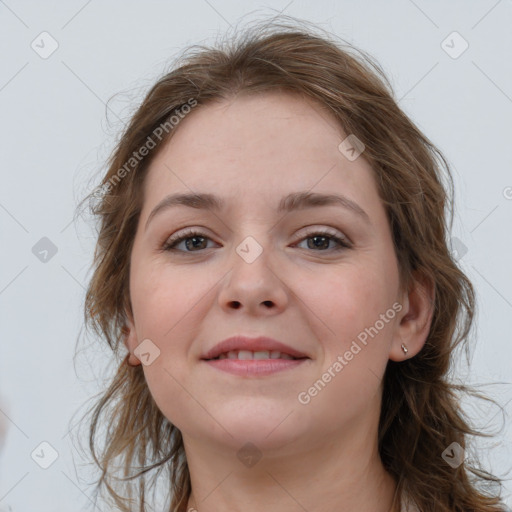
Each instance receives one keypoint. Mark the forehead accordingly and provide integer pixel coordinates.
(259, 145)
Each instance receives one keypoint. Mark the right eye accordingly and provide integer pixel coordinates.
(194, 241)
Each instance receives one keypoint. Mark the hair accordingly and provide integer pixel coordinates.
(421, 413)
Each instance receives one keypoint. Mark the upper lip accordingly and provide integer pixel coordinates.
(260, 343)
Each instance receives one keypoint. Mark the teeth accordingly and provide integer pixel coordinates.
(248, 355)
(245, 354)
(264, 354)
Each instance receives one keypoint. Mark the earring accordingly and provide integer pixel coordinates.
(405, 349)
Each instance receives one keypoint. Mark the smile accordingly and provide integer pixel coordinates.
(247, 355)
(257, 364)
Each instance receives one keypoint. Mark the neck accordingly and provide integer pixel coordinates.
(329, 475)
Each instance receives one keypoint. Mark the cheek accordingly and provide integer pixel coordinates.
(163, 295)
(349, 298)
(350, 303)
(165, 301)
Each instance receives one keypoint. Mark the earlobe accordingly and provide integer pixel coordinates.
(414, 325)
(130, 341)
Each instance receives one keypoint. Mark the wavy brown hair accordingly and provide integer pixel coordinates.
(421, 413)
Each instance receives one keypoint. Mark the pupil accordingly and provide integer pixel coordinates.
(194, 244)
(316, 238)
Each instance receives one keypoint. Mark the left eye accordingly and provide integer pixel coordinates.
(321, 241)
(196, 241)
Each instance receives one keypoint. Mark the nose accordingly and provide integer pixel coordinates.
(253, 287)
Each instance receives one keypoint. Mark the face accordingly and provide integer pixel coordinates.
(319, 277)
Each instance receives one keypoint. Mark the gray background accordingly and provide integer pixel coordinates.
(56, 134)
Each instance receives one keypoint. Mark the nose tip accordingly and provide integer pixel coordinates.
(253, 287)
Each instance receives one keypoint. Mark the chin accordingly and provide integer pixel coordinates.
(266, 431)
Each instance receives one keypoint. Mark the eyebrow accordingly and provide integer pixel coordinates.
(291, 202)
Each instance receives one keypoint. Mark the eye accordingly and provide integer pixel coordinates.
(320, 240)
(194, 241)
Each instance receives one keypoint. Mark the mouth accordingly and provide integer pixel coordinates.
(252, 367)
(253, 357)
(245, 348)
(248, 355)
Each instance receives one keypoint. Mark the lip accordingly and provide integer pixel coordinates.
(255, 367)
(260, 343)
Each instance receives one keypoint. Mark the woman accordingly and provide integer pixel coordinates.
(272, 256)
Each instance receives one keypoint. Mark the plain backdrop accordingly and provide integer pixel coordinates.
(449, 63)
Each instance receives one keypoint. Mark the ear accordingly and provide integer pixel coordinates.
(415, 318)
(130, 339)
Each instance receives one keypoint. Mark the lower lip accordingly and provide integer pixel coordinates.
(254, 367)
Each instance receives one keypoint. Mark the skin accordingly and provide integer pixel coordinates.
(322, 456)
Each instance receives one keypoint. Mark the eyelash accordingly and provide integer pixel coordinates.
(173, 241)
